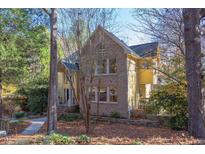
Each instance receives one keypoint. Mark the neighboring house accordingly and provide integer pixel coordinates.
(126, 74)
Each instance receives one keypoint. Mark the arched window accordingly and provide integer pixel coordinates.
(100, 47)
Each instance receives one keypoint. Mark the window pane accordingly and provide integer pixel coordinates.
(113, 95)
(113, 66)
(146, 64)
(92, 95)
(101, 67)
(103, 94)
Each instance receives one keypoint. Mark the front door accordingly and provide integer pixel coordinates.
(68, 96)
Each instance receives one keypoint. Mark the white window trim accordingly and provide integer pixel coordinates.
(107, 65)
(107, 97)
(107, 69)
(96, 69)
(95, 89)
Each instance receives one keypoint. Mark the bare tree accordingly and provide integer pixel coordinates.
(196, 105)
(166, 27)
(175, 29)
(76, 28)
(52, 93)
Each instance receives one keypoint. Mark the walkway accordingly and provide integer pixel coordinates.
(36, 124)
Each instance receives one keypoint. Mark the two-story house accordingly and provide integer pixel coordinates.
(126, 74)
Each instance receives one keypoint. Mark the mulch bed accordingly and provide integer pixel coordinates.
(114, 133)
(15, 128)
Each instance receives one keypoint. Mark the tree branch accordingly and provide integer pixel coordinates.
(46, 11)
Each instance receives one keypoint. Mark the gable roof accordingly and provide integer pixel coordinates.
(126, 48)
(138, 51)
(71, 62)
(71, 66)
(146, 50)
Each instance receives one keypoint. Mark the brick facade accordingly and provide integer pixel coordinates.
(118, 80)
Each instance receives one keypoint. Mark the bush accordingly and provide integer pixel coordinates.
(83, 138)
(68, 117)
(115, 114)
(179, 122)
(136, 142)
(39, 139)
(19, 114)
(170, 100)
(59, 139)
(37, 96)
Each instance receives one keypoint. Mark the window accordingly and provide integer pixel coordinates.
(146, 64)
(103, 94)
(112, 66)
(106, 95)
(113, 95)
(92, 96)
(102, 67)
(66, 95)
(100, 47)
(106, 66)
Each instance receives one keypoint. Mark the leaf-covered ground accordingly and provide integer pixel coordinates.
(112, 133)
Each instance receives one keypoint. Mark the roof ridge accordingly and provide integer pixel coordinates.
(119, 41)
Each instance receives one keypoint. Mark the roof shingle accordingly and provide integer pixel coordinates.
(145, 50)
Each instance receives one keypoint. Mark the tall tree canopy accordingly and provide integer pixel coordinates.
(23, 45)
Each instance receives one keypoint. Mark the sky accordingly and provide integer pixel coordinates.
(125, 34)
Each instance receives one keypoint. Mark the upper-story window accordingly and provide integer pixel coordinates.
(106, 66)
(112, 66)
(100, 47)
(101, 67)
(146, 64)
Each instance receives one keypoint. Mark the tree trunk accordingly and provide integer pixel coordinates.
(98, 100)
(1, 100)
(52, 94)
(196, 110)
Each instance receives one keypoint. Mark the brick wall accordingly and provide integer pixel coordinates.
(119, 80)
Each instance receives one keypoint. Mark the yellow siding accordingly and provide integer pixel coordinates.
(60, 85)
(133, 83)
(142, 91)
(146, 76)
(146, 71)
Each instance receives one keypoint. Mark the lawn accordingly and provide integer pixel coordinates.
(111, 133)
